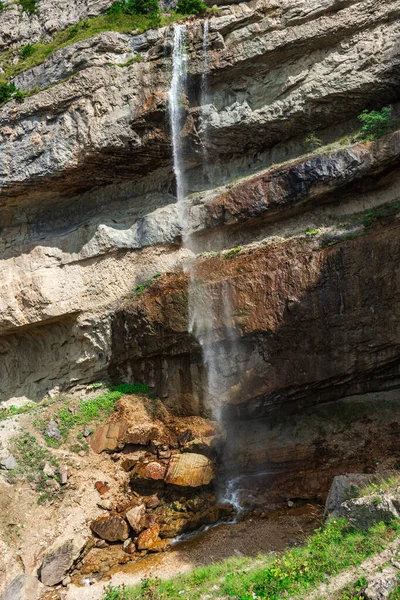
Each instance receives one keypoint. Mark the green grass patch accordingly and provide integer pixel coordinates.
(328, 552)
(12, 411)
(91, 410)
(233, 252)
(380, 212)
(122, 23)
(136, 59)
(31, 457)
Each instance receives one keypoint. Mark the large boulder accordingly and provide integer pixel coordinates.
(111, 528)
(347, 486)
(189, 470)
(59, 558)
(370, 510)
(135, 517)
(23, 587)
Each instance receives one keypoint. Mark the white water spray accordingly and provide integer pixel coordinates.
(176, 96)
(210, 310)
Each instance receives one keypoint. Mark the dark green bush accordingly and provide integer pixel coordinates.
(28, 50)
(2, 6)
(8, 91)
(30, 6)
(375, 123)
(191, 7)
(134, 7)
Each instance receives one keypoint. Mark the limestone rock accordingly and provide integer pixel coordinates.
(8, 463)
(52, 431)
(148, 537)
(153, 502)
(345, 487)
(381, 584)
(59, 558)
(370, 510)
(23, 587)
(135, 517)
(63, 474)
(190, 470)
(111, 528)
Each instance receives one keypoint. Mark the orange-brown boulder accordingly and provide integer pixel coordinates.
(148, 537)
(190, 470)
(111, 528)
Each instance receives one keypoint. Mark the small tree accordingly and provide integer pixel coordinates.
(191, 7)
(375, 123)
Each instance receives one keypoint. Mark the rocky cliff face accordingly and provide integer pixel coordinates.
(88, 208)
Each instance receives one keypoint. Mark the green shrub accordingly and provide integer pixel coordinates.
(375, 123)
(30, 6)
(2, 6)
(27, 50)
(134, 7)
(8, 91)
(191, 7)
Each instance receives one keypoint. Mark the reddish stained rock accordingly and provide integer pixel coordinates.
(101, 487)
(148, 538)
(135, 517)
(108, 436)
(152, 470)
(190, 470)
(160, 546)
(111, 528)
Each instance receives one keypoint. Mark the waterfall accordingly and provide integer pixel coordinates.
(210, 310)
(204, 95)
(175, 100)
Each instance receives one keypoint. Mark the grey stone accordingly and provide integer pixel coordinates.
(369, 510)
(381, 584)
(63, 473)
(345, 487)
(23, 587)
(52, 431)
(49, 470)
(8, 463)
(59, 558)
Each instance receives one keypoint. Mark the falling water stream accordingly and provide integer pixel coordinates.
(210, 311)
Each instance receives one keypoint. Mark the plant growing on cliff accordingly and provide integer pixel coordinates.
(134, 7)
(8, 91)
(2, 6)
(191, 7)
(30, 6)
(28, 50)
(376, 123)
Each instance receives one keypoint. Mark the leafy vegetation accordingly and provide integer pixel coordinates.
(30, 6)
(191, 7)
(8, 91)
(28, 50)
(375, 123)
(354, 590)
(6, 413)
(92, 409)
(328, 552)
(233, 252)
(2, 6)
(311, 232)
(32, 457)
(313, 141)
(142, 287)
(134, 7)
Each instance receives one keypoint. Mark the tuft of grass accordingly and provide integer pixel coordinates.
(233, 252)
(6, 413)
(93, 409)
(142, 287)
(311, 232)
(380, 212)
(329, 551)
(31, 457)
(8, 91)
(136, 59)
